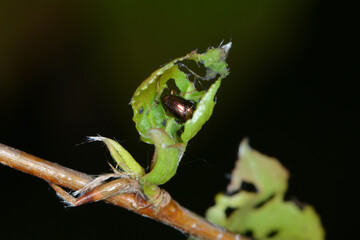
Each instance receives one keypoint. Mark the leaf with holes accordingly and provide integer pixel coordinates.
(176, 77)
(263, 211)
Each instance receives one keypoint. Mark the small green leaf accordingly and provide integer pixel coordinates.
(263, 212)
(122, 157)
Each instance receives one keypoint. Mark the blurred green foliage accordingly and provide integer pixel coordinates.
(262, 211)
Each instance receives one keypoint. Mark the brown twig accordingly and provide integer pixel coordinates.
(171, 214)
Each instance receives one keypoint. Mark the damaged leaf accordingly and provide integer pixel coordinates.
(176, 77)
(263, 211)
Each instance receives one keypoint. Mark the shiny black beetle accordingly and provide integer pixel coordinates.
(178, 107)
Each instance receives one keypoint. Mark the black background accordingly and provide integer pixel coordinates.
(68, 70)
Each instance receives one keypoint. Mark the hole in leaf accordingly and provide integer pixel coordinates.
(245, 186)
(229, 211)
(232, 193)
(171, 86)
(193, 68)
(248, 233)
(260, 204)
(272, 233)
(249, 187)
(196, 73)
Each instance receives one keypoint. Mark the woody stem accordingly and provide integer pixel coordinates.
(171, 214)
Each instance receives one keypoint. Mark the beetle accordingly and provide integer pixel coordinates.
(178, 107)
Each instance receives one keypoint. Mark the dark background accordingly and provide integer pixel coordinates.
(68, 70)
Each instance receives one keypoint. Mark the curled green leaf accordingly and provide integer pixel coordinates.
(178, 77)
(166, 158)
(203, 112)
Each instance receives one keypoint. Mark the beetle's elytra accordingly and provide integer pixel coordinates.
(178, 107)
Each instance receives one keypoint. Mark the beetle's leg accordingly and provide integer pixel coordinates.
(172, 92)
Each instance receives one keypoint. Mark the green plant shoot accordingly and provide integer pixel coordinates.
(156, 126)
(148, 111)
